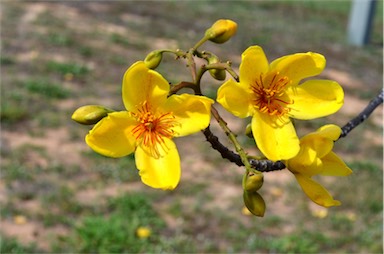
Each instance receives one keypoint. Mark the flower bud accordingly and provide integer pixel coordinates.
(218, 74)
(90, 114)
(221, 31)
(254, 202)
(253, 181)
(153, 59)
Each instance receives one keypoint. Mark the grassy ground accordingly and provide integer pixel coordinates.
(57, 195)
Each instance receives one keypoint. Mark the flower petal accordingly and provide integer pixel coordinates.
(334, 166)
(317, 145)
(141, 84)
(111, 135)
(162, 173)
(192, 113)
(330, 131)
(253, 64)
(321, 141)
(305, 162)
(235, 99)
(299, 66)
(316, 192)
(315, 98)
(276, 140)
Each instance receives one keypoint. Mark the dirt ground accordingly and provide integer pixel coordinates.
(36, 33)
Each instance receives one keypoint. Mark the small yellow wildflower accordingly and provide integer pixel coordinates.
(320, 213)
(271, 94)
(143, 232)
(316, 158)
(20, 219)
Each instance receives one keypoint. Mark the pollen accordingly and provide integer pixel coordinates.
(153, 128)
(269, 94)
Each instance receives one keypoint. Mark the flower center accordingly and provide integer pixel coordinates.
(152, 129)
(270, 97)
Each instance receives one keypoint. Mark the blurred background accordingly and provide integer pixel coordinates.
(57, 195)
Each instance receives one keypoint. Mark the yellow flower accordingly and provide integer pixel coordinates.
(272, 95)
(316, 158)
(143, 232)
(147, 127)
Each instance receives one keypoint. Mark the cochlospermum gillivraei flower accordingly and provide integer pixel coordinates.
(316, 158)
(147, 127)
(272, 94)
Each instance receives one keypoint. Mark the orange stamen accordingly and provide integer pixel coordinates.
(270, 97)
(153, 128)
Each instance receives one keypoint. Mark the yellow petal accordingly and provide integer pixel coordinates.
(317, 145)
(313, 147)
(161, 173)
(315, 98)
(141, 84)
(330, 131)
(235, 99)
(316, 192)
(192, 113)
(321, 141)
(306, 163)
(334, 166)
(253, 64)
(276, 140)
(111, 136)
(299, 66)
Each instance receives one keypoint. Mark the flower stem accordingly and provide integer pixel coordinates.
(232, 138)
(199, 43)
(181, 85)
(191, 64)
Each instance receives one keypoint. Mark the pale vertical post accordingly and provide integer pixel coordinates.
(360, 21)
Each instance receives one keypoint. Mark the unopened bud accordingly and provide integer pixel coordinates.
(90, 114)
(254, 202)
(221, 31)
(153, 59)
(253, 181)
(218, 74)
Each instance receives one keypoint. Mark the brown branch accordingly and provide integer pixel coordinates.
(260, 165)
(181, 85)
(367, 111)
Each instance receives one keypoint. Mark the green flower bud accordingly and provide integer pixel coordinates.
(90, 114)
(253, 181)
(221, 31)
(218, 74)
(153, 59)
(254, 202)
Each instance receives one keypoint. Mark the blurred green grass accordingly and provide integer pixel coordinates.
(57, 56)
